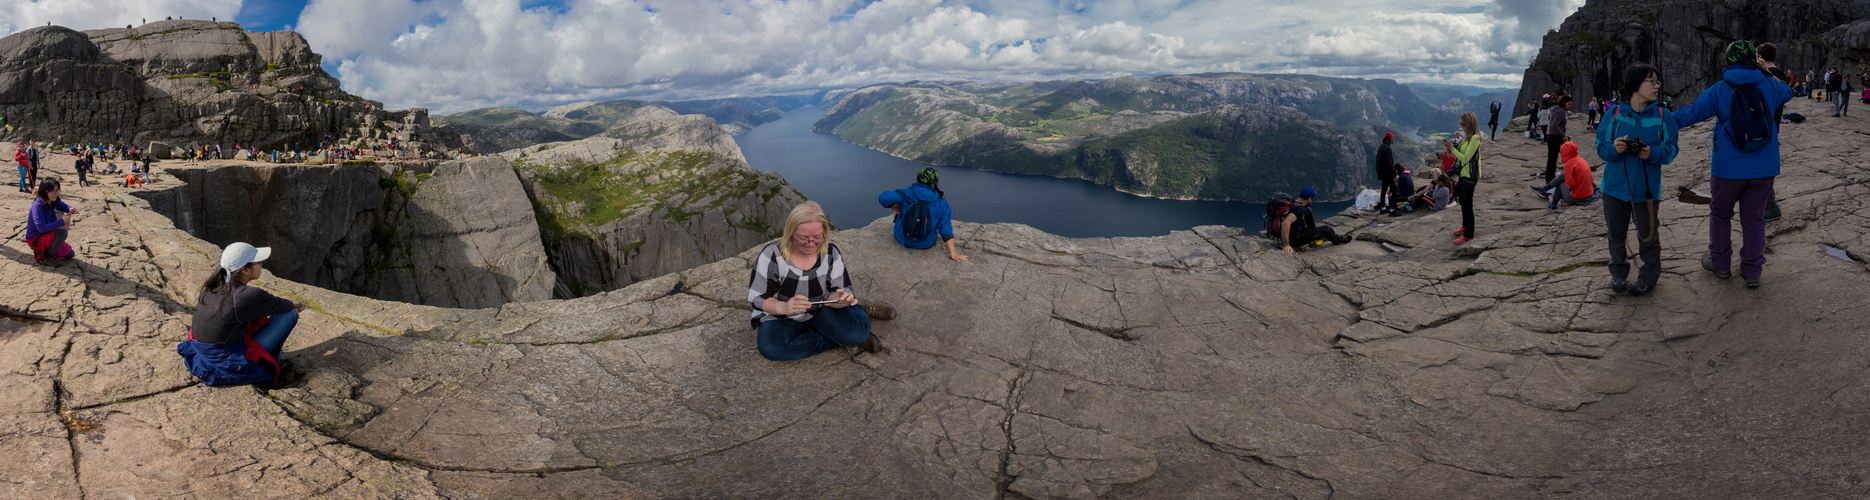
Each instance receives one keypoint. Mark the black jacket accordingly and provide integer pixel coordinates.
(1386, 161)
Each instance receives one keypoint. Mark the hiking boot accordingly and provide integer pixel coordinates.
(1552, 206)
(1772, 211)
(1640, 289)
(1396, 213)
(1618, 285)
(870, 345)
(1753, 283)
(879, 310)
(1707, 262)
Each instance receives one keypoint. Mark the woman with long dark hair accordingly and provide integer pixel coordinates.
(47, 224)
(238, 329)
(1635, 141)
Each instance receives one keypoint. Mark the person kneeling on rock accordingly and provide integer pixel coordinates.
(802, 295)
(1300, 227)
(922, 213)
(238, 329)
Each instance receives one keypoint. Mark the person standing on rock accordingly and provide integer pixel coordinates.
(1834, 89)
(238, 329)
(1467, 173)
(922, 214)
(1636, 140)
(1386, 172)
(1554, 136)
(1742, 172)
(25, 166)
(1493, 120)
(32, 155)
(801, 293)
(47, 224)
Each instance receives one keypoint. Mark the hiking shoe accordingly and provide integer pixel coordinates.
(1640, 289)
(1753, 283)
(1707, 262)
(1463, 239)
(870, 345)
(1552, 206)
(1460, 230)
(1619, 286)
(1396, 213)
(879, 310)
(1539, 188)
(1772, 212)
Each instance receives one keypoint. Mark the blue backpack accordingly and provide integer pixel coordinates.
(917, 223)
(1749, 121)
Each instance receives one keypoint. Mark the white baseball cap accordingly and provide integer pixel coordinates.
(238, 255)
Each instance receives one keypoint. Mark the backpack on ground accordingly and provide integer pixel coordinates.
(1795, 117)
(917, 223)
(1749, 119)
(1276, 210)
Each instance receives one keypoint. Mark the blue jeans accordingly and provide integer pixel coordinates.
(786, 340)
(273, 335)
(22, 179)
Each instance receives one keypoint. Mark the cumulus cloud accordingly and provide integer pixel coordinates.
(17, 15)
(452, 55)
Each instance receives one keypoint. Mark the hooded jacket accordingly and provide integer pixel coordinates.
(939, 213)
(1577, 171)
(1629, 177)
(1728, 161)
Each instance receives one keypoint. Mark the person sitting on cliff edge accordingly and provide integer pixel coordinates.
(927, 214)
(1307, 229)
(801, 293)
(238, 329)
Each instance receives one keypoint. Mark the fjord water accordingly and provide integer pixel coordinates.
(845, 178)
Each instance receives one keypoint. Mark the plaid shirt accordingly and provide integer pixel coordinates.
(775, 278)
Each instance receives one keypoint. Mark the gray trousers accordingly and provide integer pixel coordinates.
(1617, 215)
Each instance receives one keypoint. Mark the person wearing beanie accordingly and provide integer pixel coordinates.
(1300, 226)
(1738, 176)
(922, 214)
(238, 330)
(1386, 173)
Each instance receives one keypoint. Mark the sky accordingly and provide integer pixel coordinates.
(455, 55)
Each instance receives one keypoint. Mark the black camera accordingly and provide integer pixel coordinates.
(1635, 145)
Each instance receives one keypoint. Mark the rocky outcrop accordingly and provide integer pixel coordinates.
(1685, 39)
(1849, 47)
(657, 193)
(1203, 364)
(187, 83)
(493, 130)
(460, 234)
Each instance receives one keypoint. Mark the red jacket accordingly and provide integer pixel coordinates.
(19, 156)
(1577, 172)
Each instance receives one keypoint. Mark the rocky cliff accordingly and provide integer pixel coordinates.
(657, 193)
(492, 130)
(457, 234)
(1203, 364)
(186, 83)
(1684, 38)
(1100, 130)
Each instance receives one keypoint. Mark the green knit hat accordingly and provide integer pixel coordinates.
(1742, 52)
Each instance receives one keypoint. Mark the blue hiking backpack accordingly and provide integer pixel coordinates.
(1750, 121)
(917, 223)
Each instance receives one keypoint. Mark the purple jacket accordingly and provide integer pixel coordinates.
(45, 219)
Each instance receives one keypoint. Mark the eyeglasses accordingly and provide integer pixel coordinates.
(808, 239)
(1655, 81)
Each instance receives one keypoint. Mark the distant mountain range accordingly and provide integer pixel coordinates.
(1205, 136)
(492, 130)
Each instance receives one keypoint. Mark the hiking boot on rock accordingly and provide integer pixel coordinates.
(1707, 262)
(870, 345)
(879, 310)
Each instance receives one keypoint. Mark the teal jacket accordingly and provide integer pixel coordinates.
(1628, 177)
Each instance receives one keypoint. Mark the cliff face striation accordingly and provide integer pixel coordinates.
(492, 130)
(657, 193)
(1683, 38)
(457, 234)
(185, 83)
(1213, 136)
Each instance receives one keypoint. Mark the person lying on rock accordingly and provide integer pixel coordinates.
(801, 293)
(238, 329)
(1300, 227)
(922, 213)
(47, 223)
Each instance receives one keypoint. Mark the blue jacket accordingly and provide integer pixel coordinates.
(938, 212)
(1729, 162)
(1629, 177)
(42, 218)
